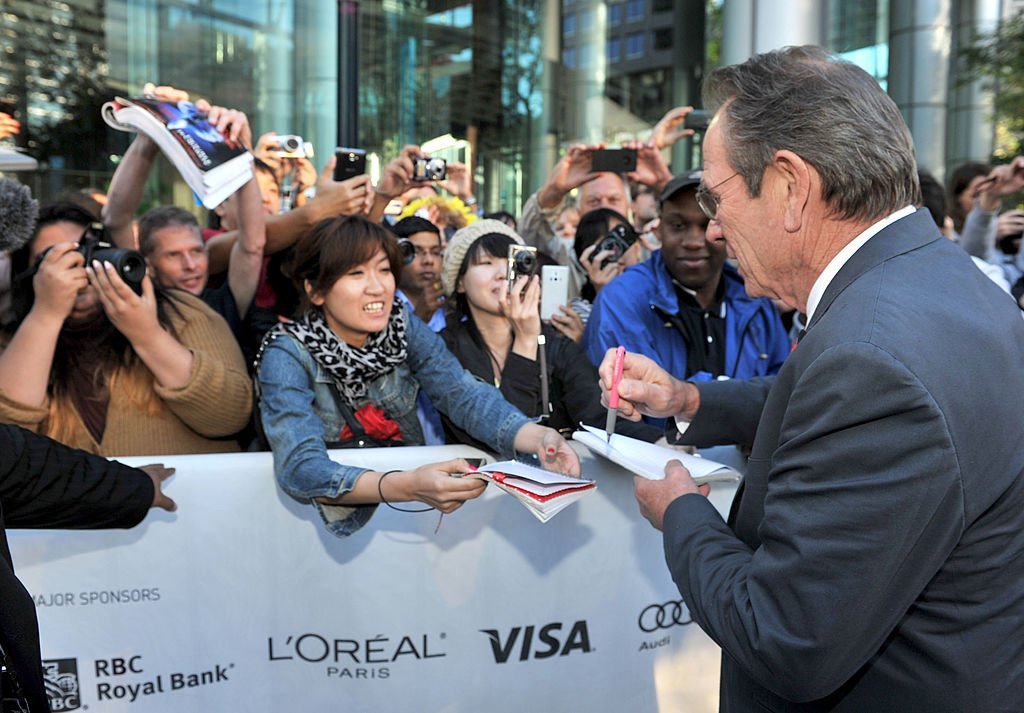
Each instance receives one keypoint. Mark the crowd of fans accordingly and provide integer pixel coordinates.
(363, 314)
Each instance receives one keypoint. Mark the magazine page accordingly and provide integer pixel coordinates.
(647, 459)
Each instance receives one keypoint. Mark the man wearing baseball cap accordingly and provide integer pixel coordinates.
(685, 307)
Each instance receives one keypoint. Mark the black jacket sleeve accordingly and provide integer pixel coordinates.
(46, 484)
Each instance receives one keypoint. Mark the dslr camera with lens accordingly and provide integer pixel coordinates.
(522, 260)
(130, 264)
(429, 169)
(618, 240)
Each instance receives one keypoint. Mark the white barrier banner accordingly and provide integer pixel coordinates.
(241, 600)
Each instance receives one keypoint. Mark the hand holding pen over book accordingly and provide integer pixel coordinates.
(642, 388)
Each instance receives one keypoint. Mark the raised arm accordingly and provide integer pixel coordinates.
(126, 188)
(246, 260)
(394, 180)
(332, 198)
(129, 181)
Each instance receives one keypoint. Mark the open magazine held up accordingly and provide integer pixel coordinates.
(648, 460)
(213, 166)
(542, 492)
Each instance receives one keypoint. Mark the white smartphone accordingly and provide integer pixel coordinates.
(554, 290)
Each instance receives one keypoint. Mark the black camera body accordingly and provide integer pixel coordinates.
(130, 265)
(429, 169)
(522, 260)
(618, 240)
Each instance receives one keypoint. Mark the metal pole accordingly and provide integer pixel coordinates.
(348, 73)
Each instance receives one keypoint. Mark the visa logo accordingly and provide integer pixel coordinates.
(542, 643)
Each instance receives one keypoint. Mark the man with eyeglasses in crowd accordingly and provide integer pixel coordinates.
(873, 559)
(419, 287)
(685, 308)
(420, 282)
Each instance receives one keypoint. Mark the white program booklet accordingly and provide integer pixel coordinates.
(648, 460)
(542, 492)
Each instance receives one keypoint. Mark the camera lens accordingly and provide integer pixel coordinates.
(289, 143)
(129, 264)
(526, 262)
(408, 251)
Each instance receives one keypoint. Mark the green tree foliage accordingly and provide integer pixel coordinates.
(998, 57)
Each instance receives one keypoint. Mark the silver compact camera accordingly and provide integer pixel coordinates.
(522, 260)
(291, 146)
(429, 169)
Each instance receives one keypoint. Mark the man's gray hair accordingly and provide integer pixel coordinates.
(829, 112)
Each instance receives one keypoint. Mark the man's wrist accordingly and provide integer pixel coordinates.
(549, 197)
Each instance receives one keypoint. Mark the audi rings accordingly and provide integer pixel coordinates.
(664, 616)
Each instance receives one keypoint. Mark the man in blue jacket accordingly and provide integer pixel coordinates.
(685, 308)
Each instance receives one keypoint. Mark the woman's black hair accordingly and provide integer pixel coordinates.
(593, 226)
(99, 341)
(493, 244)
(959, 180)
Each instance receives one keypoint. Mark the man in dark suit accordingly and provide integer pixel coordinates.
(44, 484)
(873, 559)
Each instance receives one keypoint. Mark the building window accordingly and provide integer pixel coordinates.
(569, 25)
(569, 57)
(634, 45)
(614, 49)
(615, 14)
(661, 5)
(663, 38)
(634, 10)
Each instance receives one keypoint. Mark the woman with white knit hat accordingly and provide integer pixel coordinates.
(495, 331)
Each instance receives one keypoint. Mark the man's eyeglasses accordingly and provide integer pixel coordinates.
(708, 200)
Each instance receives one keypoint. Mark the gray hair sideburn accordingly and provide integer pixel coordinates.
(829, 112)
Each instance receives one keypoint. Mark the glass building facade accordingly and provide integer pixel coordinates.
(504, 85)
(501, 84)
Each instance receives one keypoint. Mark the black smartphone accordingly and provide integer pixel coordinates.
(697, 120)
(613, 160)
(348, 163)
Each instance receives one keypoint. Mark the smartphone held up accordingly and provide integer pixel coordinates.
(348, 163)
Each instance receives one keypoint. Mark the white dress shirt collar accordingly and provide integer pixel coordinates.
(843, 256)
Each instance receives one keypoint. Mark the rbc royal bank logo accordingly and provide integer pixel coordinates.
(60, 677)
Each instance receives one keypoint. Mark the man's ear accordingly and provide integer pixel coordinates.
(315, 298)
(795, 176)
(149, 269)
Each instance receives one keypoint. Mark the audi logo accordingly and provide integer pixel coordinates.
(664, 616)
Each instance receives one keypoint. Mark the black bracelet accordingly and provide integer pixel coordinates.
(380, 492)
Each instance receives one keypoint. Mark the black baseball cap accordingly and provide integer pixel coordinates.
(680, 182)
